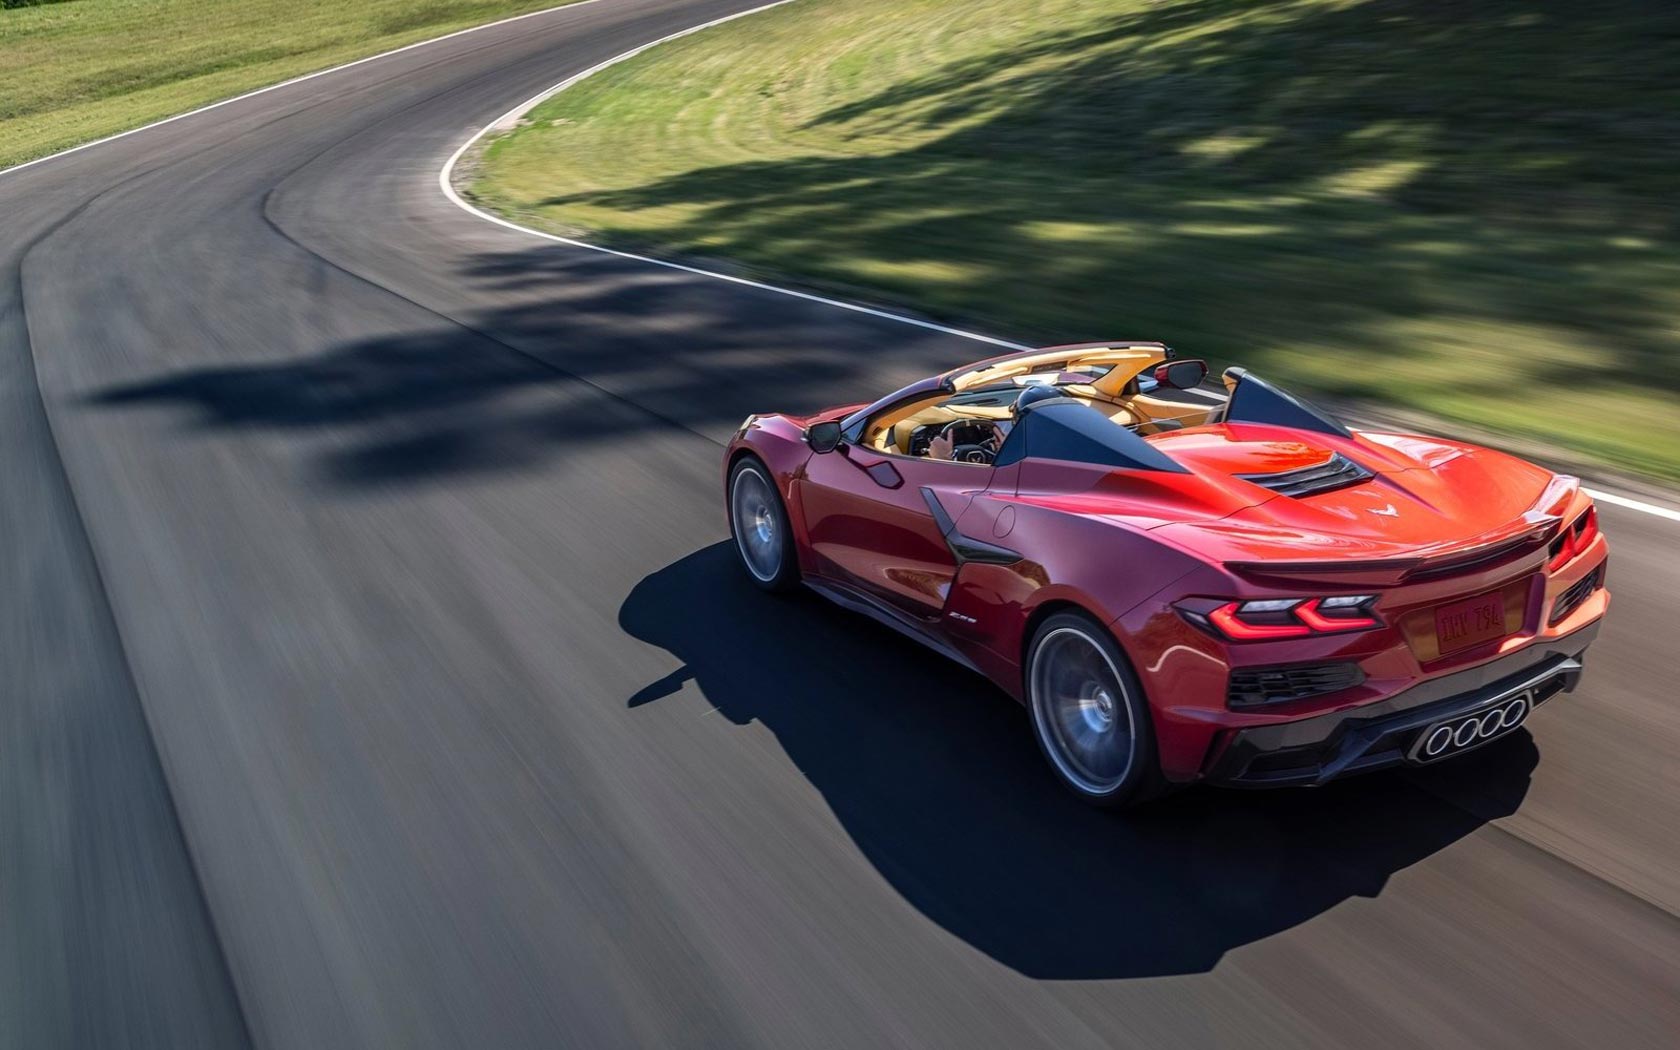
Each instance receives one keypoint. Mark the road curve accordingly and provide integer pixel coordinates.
(375, 674)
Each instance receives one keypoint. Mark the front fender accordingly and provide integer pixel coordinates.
(779, 441)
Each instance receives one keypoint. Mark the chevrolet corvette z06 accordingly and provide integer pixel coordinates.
(1183, 588)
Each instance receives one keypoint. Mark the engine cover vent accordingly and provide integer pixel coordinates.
(1334, 473)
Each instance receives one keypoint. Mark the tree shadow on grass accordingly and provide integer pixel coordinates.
(1250, 179)
(935, 776)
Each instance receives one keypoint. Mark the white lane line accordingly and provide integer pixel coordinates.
(1207, 395)
(508, 119)
(1634, 504)
(289, 83)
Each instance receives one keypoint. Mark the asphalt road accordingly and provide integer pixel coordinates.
(374, 674)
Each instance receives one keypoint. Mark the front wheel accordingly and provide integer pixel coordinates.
(759, 524)
(1089, 713)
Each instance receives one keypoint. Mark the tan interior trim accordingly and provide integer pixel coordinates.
(1124, 364)
(1125, 361)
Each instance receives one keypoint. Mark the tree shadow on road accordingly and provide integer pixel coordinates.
(935, 776)
(569, 351)
(576, 351)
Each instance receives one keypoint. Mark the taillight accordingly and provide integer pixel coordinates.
(1328, 615)
(1272, 618)
(1573, 540)
(1228, 618)
(1586, 528)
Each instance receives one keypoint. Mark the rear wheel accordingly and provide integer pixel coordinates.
(759, 524)
(1089, 713)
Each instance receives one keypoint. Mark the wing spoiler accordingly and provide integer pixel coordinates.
(1531, 533)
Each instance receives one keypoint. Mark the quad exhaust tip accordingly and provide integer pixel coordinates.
(1466, 731)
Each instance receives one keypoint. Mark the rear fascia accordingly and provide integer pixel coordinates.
(1186, 670)
(1311, 751)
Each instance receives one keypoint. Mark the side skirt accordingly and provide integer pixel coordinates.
(857, 601)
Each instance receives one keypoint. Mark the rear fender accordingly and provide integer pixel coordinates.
(1092, 564)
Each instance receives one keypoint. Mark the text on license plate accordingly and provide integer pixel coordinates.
(1473, 620)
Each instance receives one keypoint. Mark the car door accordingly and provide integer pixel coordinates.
(870, 524)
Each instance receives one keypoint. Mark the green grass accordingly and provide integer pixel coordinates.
(79, 70)
(1468, 211)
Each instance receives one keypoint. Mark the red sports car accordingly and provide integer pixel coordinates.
(1239, 591)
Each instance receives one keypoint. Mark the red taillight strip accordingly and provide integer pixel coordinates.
(1576, 537)
(1225, 618)
(1589, 529)
(1308, 614)
(1309, 620)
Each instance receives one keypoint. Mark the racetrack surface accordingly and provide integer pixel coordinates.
(376, 675)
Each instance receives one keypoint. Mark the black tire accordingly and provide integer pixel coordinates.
(752, 490)
(1070, 707)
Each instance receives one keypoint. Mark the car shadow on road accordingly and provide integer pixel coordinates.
(935, 776)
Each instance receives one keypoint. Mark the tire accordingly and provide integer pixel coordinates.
(1089, 713)
(758, 523)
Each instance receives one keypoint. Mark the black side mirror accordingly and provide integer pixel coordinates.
(823, 437)
(1181, 375)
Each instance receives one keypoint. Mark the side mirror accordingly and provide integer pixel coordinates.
(824, 436)
(1181, 375)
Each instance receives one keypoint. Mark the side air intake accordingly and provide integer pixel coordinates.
(1336, 472)
(1255, 686)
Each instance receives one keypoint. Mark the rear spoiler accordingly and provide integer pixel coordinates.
(1532, 533)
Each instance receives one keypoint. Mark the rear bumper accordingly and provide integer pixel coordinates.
(1314, 750)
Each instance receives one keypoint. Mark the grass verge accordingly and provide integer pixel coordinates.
(77, 70)
(1471, 215)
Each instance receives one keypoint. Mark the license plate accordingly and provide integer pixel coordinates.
(1470, 622)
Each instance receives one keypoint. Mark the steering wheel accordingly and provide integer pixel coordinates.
(967, 453)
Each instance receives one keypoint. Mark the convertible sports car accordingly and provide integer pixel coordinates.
(1242, 592)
